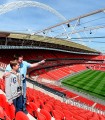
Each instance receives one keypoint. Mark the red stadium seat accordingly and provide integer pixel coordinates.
(2, 87)
(10, 110)
(58, 114)
(31, 108)
(2, 113)
(2, 100)
(47, 108)
(46, 113)
(67, 113)
(57, 107)
(21, 116)
(78, 117)
(40, 116)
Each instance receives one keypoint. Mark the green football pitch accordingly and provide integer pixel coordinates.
(90, 81)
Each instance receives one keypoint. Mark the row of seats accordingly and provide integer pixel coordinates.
(99, 106)
(5, 55)
(44, 107)
(7, 111)
(58, 73)
(77, 97)
(100, 67)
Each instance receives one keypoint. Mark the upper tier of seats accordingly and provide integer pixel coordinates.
(6, 55)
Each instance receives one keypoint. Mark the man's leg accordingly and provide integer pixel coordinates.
(19, 103)
(14, 103)
(24, 94)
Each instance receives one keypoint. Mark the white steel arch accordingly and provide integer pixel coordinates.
(19, 4)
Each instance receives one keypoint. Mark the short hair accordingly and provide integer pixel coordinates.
(16, 56)
(13, 63)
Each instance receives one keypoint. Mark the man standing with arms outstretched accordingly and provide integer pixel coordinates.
(23, 70)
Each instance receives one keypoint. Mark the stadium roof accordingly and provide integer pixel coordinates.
(48, 40)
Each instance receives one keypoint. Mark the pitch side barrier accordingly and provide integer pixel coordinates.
(56, 92)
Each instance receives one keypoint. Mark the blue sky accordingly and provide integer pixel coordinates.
(33, 18)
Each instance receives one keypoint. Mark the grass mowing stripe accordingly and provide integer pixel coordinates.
(86, 91)
(100, 82)
(76, 76)
(85, 74)
(84, 82)
(102, 92)
(75, 81)
(94, 85)
(102, 89)
(93, 82)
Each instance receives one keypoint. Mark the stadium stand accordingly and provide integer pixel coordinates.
(99, 106)
(58, 65)
(59, 72)
(44, 107)
(47, 54)
(55, 108)
(73, 96)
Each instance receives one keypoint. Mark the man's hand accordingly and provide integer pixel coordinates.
(38, 63)
(6, 75)
(42, 61)
(10, 102)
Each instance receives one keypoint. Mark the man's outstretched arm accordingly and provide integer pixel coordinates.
(37, 64)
